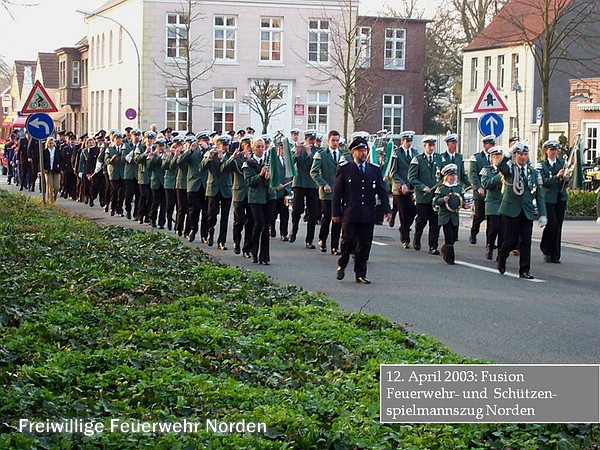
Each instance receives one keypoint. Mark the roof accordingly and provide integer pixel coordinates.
(518, 22)
(107, 5)
(20, 68)
(49, 66)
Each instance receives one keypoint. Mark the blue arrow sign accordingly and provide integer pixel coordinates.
(39, 126)
(491, 123)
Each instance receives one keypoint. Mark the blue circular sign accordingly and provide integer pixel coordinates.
(131, 113)
(491, 123)
(39, 126)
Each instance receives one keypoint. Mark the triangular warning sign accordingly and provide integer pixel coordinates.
(38, 100)
(489, 100)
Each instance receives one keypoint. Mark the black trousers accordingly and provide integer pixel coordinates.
(450, 233)
(243, 221)
(182, 221)
(261, 214)
(357, 238)
(478, 216)
(311, 196)
(98, 188)
(281, 210)
(197, 203)
(117, 196)
(132, 193)
(513, 229)
(170, 203)
(407, 212)
(70, 186)
(552, 235)
(157, 211)
(218, 205)
(336, 228)
(144, 202)
(107, 187)
(494, 233)
(426, 215)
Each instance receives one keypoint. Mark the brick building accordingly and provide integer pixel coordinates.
(584, 115)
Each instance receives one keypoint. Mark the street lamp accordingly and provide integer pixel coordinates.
(517, 88)
(137, 53)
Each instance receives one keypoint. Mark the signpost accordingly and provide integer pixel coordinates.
(38, 100)
(489, 100)
(491, 123)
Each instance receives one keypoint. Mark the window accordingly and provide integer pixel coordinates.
(318, 110)
(318, 40)
(119, 107)
(514, 69)
(103, 50)
(76, 73)
(120, 51)
(362, 49)
(487, 69)
(92, 52)
(110, 47)
(500, 75)
(62, 74)
(110, 108)
(393, 113)
(177, 108)
(591, 144)
(97, 52)
(271, 31)
(84, 72)
(101, 109)
(177, 36)
(97, 112)
(395, 46)
(474, 63)
(223, 109)
(225, 29)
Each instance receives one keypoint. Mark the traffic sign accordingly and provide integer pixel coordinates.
(489, 100)
(538, 115)
(131, 113)
(491, 123)
(38, 100)
(39, 126)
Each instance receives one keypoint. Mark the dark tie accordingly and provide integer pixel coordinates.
(260, 163)
(451, 158)
(335, 160)
(524, 176)
(430, 159)
(362, 168)
(408, 154)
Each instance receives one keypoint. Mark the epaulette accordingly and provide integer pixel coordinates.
(343, 163)
(539, 166)
(414, 160)
(483, 172)
(317, 155)
(472, 158)
(245, 164)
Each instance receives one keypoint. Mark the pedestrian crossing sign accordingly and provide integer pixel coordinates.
(38, 100)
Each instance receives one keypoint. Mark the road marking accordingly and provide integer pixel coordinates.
(489, 269)
(380, 244)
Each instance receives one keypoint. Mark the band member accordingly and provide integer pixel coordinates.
(115, 161)
(305, 188)
(145, 199)
(69, 153)
(87, 169)
(170, 178)
(554, 180)
(281, 209)
(324, 167)
(523, 184)
(402, 190)
(451, 156)
(449, 197)
(491, 181)
(477, 162)
(182, 221)
(423, 174)
(357, 186)
(132, 189)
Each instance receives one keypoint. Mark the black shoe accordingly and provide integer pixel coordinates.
(247, 255)
(340, 273)
(192, 236)
(273, 234)
(555, 261)
(154, 224)
(91, 203)
(322, 246)
(392, 223)
(405, 245)
(489, 254)
(179, 233)
(434, 251)
(310, 246)
(141, 221)
(255, 260)
(284, 238)
(169, 225)
(501, 266)
(106, 208)
(112, 213)
(292, 238)
(222, 246)
(210, 242)
(204, 240)
(526, 276)
(236, 249)
(547, 258)
(363, 280)
(417, 246)
(473, 239)
(264, 263)
(161, 227)
(128, 215)
(335, 252)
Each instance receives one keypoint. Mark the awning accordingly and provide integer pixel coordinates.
(588, 106)
(19, 121)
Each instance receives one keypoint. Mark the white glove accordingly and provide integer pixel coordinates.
(598, 220)
(80, 174)
(543, 221)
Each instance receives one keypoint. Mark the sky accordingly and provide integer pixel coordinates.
(52, 24)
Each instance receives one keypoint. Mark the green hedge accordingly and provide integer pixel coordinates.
(581, 204)
(104, 322)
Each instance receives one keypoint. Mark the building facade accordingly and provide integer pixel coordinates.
(584, 116)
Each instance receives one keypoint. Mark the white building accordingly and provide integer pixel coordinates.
(250, 40)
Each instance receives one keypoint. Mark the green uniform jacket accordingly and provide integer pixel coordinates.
(477, 162)
(421, 174)
(191, 159)
(154, 166)
(219, 178)
(258, 188)
(116, 167)
(235, 164)
(303, 166)
(180, 173)
(323, 170)
(170, 174)
(131, 167)
(551, 184)
(140, 158)
(491, 181)
(399, 171)
(463, 178)
(286, 181)
(82, 160)
(512, 204)
(444, 214)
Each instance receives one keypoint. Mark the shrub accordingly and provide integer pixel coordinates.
(581, 204)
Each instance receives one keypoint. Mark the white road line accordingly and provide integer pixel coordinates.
(489, 269)
(379, 243)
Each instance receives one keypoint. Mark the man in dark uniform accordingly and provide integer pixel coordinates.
(451, 156)
(523, 184)
(402, 190)
(26, 169)
(491, 181)
(115, 162)
(477, 162)
(356, 186)
(554, 179)
(69, 154)
(424, 174)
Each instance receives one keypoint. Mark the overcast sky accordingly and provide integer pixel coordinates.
(54, 23)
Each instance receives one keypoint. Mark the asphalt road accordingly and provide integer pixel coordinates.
(469, 307)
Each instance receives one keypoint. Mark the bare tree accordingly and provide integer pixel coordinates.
(264, 100)
(5, 74)
(185, 55)
(8, 4)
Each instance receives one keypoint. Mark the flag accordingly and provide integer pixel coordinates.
(388, 160)
(373, 155)
(577, 168)
(275, 179)
(288, 160)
